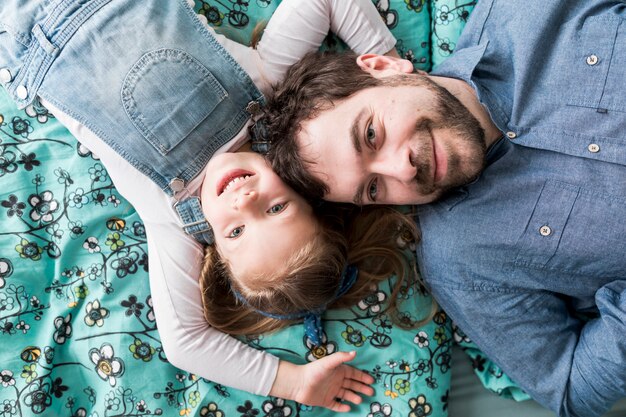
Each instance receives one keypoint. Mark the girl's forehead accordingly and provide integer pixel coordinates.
(269, 246)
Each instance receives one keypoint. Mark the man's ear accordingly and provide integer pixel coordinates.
(383, 65)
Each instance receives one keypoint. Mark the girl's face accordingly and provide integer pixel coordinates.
(257, 220)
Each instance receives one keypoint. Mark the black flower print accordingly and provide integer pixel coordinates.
(419, 407)
(247, 410)
(125, 264)
(43, 206)
(63, 327)
(276, 408)
(415, 5)
(38, 398)
(14, 206)
(133, 307)
(139, 229)
(29, 161)
(21, 127)
(212, 14)
(58, 388)
(143, 261)
(7, 162)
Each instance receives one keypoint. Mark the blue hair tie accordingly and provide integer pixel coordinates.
(312, 319)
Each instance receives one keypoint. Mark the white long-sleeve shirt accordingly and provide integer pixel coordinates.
(175, 259)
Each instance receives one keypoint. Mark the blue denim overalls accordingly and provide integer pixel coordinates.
(145, 76)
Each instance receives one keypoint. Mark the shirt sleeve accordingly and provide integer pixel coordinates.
(175, 261)
(573, 367)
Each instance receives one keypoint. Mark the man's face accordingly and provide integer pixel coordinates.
(403, 144)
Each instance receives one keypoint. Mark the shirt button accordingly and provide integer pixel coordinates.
(592, 60)
(545, 230)
(511, 135)
(593, 148)
(21, 92)
(5, 75)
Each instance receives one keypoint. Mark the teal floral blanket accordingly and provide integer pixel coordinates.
(78, 332)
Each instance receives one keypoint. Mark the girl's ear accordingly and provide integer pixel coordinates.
(383, 65)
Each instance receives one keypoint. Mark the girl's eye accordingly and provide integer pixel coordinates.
(236, 232)
(372, 190)
(370, 134)
(277, 208)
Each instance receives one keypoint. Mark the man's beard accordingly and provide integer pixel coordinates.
(464, 166)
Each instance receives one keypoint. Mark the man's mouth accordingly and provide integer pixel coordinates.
(233, 180)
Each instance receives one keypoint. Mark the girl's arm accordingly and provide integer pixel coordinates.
(300, 26)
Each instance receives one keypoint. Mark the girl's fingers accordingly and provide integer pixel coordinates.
(358, 387)
(360, 376)
(350, 396)
(339, 407)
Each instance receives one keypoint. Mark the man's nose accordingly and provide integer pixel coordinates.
(245, 199)
(397, 165)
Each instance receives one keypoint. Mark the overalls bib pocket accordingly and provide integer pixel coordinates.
(167, 94)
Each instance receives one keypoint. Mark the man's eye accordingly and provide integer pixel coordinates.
(277, 208)
(372, 190)
(236, 232)
(370, 134)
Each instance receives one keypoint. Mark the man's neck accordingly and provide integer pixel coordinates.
(466, 95)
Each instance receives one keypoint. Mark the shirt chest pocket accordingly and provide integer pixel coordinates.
(575, 230)
(598, 65)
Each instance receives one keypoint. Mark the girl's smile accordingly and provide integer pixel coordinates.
(258, 221)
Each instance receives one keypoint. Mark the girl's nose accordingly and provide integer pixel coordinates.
(245, 199)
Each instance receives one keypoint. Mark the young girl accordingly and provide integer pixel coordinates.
(151, 73)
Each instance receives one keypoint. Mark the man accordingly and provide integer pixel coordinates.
(514, 148)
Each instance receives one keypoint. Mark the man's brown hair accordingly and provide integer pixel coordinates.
(311, 86)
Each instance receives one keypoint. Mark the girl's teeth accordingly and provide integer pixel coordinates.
(234, 180)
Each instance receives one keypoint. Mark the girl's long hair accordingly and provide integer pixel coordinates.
(372, 238)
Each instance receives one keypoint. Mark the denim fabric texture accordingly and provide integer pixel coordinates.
(181, 95)
(529, 259)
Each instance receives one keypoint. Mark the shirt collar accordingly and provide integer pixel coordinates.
(461, 63)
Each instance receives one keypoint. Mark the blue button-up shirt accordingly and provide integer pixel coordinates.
(519, 256)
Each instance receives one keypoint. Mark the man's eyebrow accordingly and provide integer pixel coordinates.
(354, 131)
(356, 143)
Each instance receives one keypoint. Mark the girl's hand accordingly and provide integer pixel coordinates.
(327, 382)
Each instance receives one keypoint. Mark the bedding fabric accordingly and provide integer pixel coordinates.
(78, 334)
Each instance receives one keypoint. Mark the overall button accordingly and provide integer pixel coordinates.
(545, 230)
(593, 148)
(511, 135)
(592, 60)
(177, 185)
(5, 75)
(253, 107)
(21, 92)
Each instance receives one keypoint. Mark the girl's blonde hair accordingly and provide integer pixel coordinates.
(365, 237)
